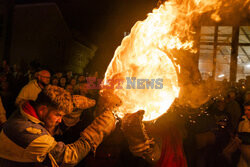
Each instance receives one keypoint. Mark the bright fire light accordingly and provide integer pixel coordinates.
(148, 53)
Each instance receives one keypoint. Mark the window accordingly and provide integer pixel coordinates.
(243, 59)
(215, 52)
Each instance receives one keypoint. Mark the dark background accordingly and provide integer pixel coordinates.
(102, 23)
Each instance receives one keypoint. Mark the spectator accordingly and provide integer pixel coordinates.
(2, 114)
(233, 108)
(34, 87)
(73, 82)
(69, 76)
(7, 98)
(83, 89)
(62, 82)
(247, 97)
(80, 79)
(59, 75)
(244, 134)
(54, 81)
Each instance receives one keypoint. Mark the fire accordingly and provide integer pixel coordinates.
(148, 53)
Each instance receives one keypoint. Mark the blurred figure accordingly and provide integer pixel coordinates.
(83, 89)
(244, 135)
(247, 97)
(2, 114)
(5, 67)
(34, 87)
(62, 82)
(80, 79)
(69, 76)
(59, 75)
(233, 108)
(54, 81)
(231, 94)
(7, 98)
(73, 82)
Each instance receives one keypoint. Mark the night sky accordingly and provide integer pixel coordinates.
(102, 23)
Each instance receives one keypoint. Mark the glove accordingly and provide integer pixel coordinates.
(109, 100)
(98, 129)
(135, 133)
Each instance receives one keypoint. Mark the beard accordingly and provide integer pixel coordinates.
(42, 84)
(51, 127)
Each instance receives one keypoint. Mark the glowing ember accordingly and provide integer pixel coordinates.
(146, 52)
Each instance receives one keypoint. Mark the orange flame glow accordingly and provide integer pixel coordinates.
(146, 54)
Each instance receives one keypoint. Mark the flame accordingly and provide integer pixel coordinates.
(147, 53)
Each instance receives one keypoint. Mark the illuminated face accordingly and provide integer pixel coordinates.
(63, 80)
(232, 95)
(81, 78)
(73, 82)
(55, 81)
(52, 118)
(83, 87)
(69, 74)
(247, 111)
(44, 77)
(59, 75)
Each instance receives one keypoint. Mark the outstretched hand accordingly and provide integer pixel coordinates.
(134, 131)
(133, 128)
(109, 100)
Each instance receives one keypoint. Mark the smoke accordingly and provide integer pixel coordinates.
(169, 32)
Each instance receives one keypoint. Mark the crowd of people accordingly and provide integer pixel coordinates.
(215, 134)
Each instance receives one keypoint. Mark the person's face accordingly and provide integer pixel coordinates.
(73, 82)
(221, 105)
(59, 75)
(55, 81)
(69, 74)
(44, 77)
(52, 118)
(81, 78)
(62, 81)
(247, 111)
(232, 95)
(83, 88)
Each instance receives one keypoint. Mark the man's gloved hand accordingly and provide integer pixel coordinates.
(134, 131)
(98, 129)
(108, 99)
(133, 128)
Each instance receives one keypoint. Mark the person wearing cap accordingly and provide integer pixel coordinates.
(26, 138)
(34, 87)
